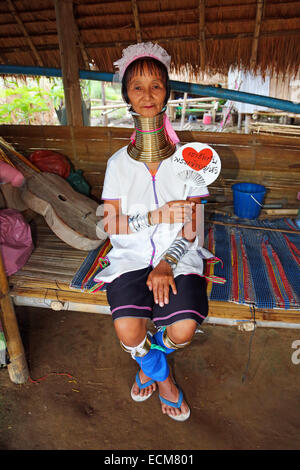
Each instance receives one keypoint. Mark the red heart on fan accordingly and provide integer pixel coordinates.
(197, 160)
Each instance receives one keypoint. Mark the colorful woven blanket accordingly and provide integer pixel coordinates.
(261, 263)
(94, 262)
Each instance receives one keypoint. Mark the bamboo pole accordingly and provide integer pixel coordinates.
(17, 368)
(253, 227)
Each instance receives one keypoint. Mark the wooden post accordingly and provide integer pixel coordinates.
(172, 109)
(239, 124)
(213, 112)
(183, 111)
(17, 368)
(105, 117)
(66, 30)
(247, 123)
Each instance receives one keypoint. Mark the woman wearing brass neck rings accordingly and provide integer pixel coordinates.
(150, 217)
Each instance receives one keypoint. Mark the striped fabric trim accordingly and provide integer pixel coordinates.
(209, 270)
(241, 282)
(179, 312)
(278, 280)
(136, 307)
(293, 249)
(209, 266)
(101, 261)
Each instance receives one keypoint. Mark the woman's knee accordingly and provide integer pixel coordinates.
(182, 331)
(130, 331)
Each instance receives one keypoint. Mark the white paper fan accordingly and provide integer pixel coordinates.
(196, 164)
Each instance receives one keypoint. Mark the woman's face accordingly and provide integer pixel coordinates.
(147, 93)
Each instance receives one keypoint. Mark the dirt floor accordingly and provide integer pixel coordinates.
(235, 403)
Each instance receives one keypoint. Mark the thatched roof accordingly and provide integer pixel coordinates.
(206, 34)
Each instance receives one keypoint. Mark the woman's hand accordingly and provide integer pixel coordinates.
(159, 282)
(173, 212)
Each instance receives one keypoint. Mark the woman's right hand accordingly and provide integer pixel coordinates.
(173, 212)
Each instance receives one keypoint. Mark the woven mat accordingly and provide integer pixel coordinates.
(261, 266)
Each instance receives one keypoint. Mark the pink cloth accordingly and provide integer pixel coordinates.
(169, 130)
(15, 240)
(9, 174)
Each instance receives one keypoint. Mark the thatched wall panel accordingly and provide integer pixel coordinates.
(282, 9)
(29, 5)
(146, 6)
(88, 9)
(279, 61)
(112, 21)
(35, 28)
(280, 24)
(5, 18)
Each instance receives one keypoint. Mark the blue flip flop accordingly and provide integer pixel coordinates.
(141, 387)
(182, 416)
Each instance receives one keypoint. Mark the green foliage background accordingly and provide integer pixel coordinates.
(23, 101)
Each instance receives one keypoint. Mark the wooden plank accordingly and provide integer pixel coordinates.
(46, 132)
(82, 132)
(217, 309)
(60, 295)
(242, 312)
(69, 60)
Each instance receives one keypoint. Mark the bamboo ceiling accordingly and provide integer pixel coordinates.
(208, 35)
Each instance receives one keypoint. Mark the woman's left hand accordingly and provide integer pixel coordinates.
(159, 282)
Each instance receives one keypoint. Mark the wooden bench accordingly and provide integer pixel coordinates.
(44, 280)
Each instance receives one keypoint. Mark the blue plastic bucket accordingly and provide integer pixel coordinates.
(248, 199)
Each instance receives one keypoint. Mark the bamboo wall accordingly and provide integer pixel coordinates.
(273, 161)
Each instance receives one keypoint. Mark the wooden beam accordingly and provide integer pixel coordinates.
(84, 54)
(136, 20)
(202, 33)
(258, 20)
(23, 29)
(69, 61)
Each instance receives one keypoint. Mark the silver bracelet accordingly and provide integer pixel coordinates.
(139, 222)
(176, 251)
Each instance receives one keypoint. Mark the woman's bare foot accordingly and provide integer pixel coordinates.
(169, 391)
(144, 392)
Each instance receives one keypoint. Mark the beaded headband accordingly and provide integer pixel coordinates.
(143, 49)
